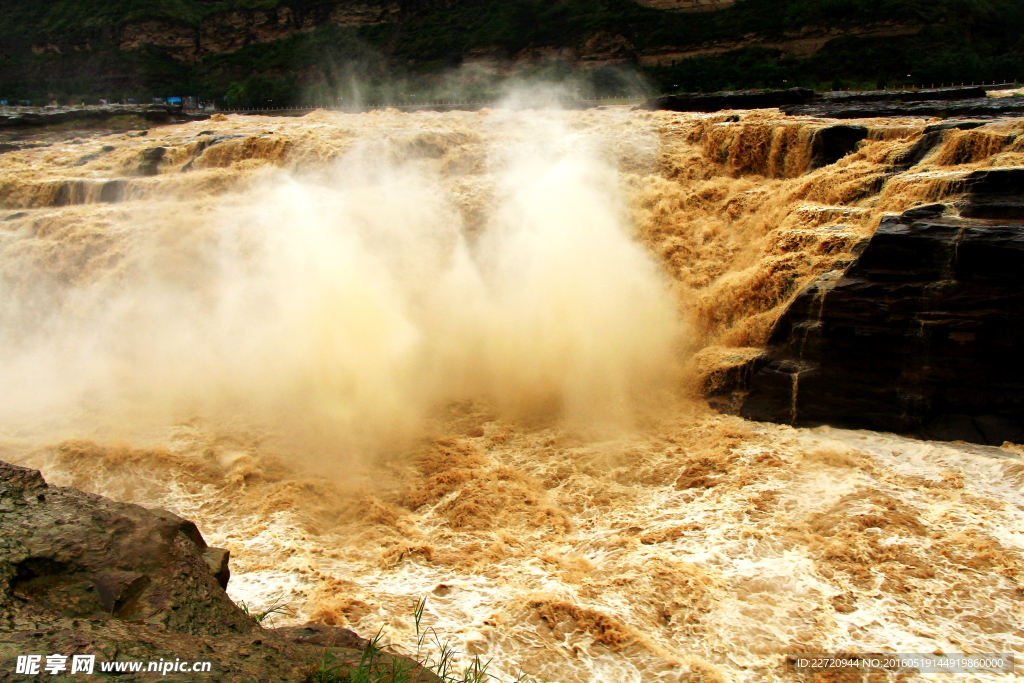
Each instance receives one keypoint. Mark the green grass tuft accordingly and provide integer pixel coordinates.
(267, 613)
(377, 666)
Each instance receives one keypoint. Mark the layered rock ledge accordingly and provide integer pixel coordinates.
(741, 99)
(944, 102)
(975, 107)
(83, 575)
(921, 335)
(82, 117)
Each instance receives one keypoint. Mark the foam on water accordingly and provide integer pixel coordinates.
(386, 356)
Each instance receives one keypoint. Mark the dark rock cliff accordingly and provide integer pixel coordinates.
(921, 335)
(944, 102)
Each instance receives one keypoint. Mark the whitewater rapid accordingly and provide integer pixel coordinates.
(387, 356)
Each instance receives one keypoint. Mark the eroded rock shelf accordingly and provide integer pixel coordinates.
(920, 335)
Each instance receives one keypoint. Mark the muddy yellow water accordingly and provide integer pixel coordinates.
(388, 355)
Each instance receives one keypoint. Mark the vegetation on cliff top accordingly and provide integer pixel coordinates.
(961, 40)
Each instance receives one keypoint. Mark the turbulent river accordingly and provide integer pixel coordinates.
(386, 356)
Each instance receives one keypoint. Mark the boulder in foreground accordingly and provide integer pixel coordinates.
(83, 575)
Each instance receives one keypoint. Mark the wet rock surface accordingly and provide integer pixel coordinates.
(16, 147)
(983, 106)
(150, 164)
(931, 138)
(746, 99)
(921, 335)
(86, 158)
(81, 574)
(995, 194)
(206, 140)
(833, 143)
(969, 101)
(899, 96)
(84, 116)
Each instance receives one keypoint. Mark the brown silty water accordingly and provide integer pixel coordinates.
(389, 355)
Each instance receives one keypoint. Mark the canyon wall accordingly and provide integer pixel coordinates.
(687, 5)
(224, 33)
(675, 45)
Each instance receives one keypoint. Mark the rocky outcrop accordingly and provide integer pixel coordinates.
(84, 117)
(150, 164)
(800, 43)
(179, 40)
(84, 575)
(930, 139)
(230, 31)
(959, 102)
(921, 335)
(233, 30)
(993, 195)
(17, 147)
(87, 158)
(746, 99)
(687, 5)
(206, 140)
(898, 96)
(831, 144)
(724, 375)
(990, 107)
